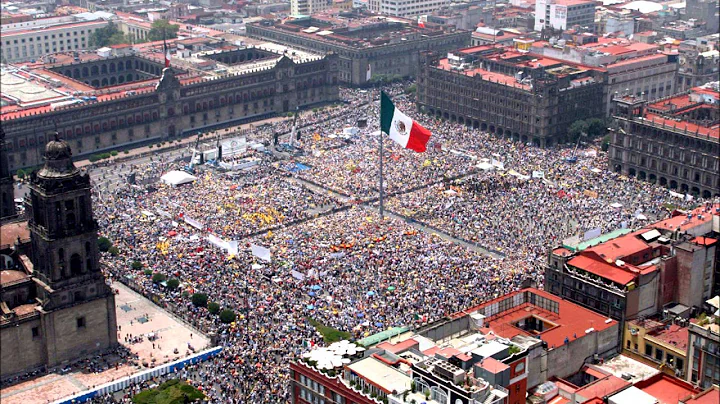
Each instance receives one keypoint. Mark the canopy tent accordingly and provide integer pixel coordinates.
(176, 177)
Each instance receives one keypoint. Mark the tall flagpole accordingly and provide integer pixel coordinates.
(382, 209)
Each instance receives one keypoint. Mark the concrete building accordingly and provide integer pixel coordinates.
(631, 274)
(510, 92)
(553, 335)
(704, 351)
(659, 344)
(673, 141)
(632, 67)
(32, 43)
(707, 11)
(117, 101)
(56, 306)
(370, 47)
(563, 14)
(309, 7)
(406, 8)
(698, 62)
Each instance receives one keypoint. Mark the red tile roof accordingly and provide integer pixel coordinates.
(9, 275)
(682, 221)
(620, 247)
(570, 322)
(10, 232)
(399, 347)
(704, 240)
(493, 365)
(603, 387)
(709, 396)
(666, 389)
(602, 269)
(673, 336)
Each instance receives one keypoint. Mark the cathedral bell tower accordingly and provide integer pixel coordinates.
(63, 232)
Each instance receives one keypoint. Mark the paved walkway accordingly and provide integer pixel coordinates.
(417, 225)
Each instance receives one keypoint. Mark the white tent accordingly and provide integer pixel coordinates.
(177, 178)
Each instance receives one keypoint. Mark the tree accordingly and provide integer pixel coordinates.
(576, 129)
(213, 308)
(162, 29)
(171, 392)
(114, 251)
(136, 265)
(596, 127)
(199, 299)
(173, 284)
(158, 277)
(108, 35)
(227, 316)
(104, 244)
(605, 145)
(21, 174)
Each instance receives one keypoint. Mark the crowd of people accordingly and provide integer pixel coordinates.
(340, 264)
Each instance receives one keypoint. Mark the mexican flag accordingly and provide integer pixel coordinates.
(401, 128)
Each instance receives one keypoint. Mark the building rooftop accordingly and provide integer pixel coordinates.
(561, 318)
(35, 88)
(622, 365)
(699, 216)
(493, 365)
(603, 269)
(618, 248)
(632, 395)
(673, 335)
(357, 29)
(10, 276)
(708, 396)
(380, 375)
(10, 232)
(666, 389)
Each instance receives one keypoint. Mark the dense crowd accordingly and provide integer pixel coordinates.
(340, 264)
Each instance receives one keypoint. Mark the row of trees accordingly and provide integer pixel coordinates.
(112, 35)
(227, 316)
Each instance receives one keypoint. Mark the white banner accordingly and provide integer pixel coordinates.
(192, 222)
(260, 252)
(538, 174)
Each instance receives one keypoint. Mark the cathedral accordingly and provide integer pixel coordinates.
(55, 304)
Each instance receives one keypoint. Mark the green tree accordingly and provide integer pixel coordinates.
(605, 145)
(114, 251)
(147, 272)
(104, 244)
(576, 129)
(158, 277)
(162, 26)
(596, 127)
(227, 316)
(171, 392)
(173, 283)
(199, 299)
(21, 174)
(108, 35)
(136, 265)
(213, 307)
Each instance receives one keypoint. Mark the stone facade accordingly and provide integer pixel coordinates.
(489, 99)
(672, 148)
(7, 204)
(399, 57)
(175, 108)
(56, 306)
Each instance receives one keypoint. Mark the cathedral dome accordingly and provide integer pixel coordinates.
(58, 160)
(57, 149)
